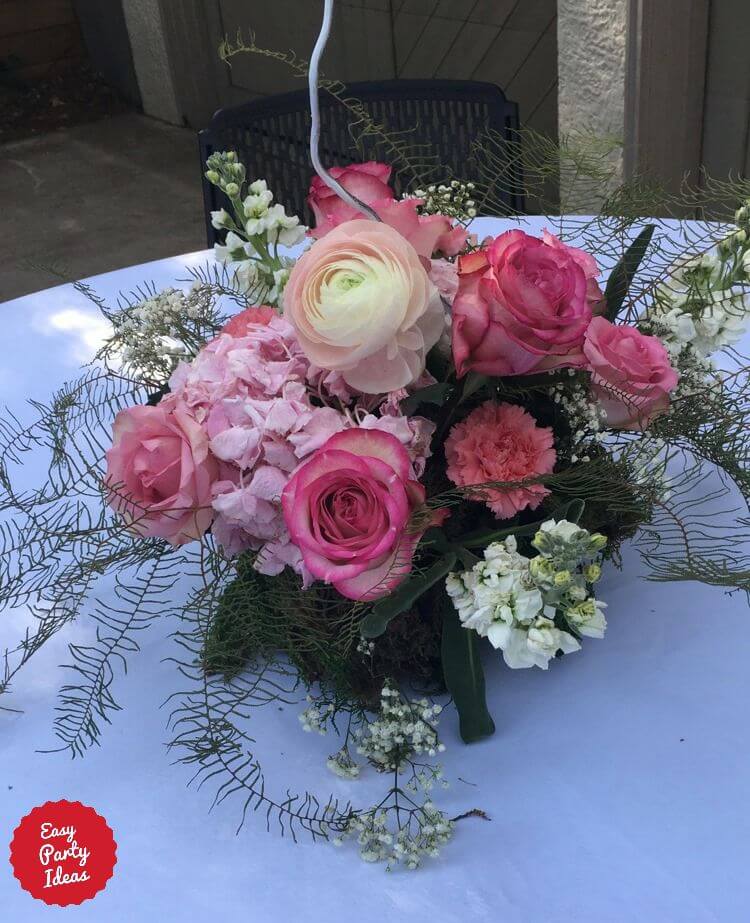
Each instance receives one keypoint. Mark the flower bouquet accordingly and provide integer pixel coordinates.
(355, 460)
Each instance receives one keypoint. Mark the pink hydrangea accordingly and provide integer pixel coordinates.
(414, 434)
(248, 390)
(258, 402)
(256, 365)
(501, 442)
(444, 276)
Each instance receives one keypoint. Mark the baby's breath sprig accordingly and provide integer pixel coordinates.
(585, 416)
(455, 200)
(400, 830)
(151, 336)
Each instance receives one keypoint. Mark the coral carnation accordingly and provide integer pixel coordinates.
(501, 442)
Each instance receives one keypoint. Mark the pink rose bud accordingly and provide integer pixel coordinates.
(368, 182)
(238, 325)
(630, 373)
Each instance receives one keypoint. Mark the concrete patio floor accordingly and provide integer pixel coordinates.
(96, 197)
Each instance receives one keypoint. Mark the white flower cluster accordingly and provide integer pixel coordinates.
(427, 833)
(648, 458)
(341, 764)
(402, 730)
(264, 279)
(255, 230)
(454, 200)
(315, 717)
(704, 304)
(398, 830)
(262, 218)
(531, 608)
(152, 336)
(586, 417)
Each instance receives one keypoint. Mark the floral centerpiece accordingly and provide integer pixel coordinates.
(363, 452)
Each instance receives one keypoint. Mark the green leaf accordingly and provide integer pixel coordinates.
(432, 394)
(464, 676)
(472, 383)
(403, 597)
(624, 272)
(572, 510)
(484, 537)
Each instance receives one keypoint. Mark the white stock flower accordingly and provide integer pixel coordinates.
(220, 219)
(561, 529)
(513, 601)
(544, 641)
(588, 618)
(232, 250)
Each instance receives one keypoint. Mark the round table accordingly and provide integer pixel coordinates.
(616, 784)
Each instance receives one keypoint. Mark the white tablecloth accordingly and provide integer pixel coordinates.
(617, 782)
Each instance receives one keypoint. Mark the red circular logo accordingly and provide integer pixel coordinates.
(63, 852)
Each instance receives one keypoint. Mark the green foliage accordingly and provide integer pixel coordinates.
(624, 272)
(464, 675)
(404, 597)
(432, 394)
(242, 613)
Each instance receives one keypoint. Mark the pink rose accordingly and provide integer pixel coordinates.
(369, 183)
(361, 303)
(428, 234)
(630, 373)
(160, 472)
(349, 511)
(522, 306)
(594, 294)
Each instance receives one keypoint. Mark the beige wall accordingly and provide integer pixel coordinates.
(151, 59)
(591, 36)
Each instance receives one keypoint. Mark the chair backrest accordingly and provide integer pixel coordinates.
(271, 135)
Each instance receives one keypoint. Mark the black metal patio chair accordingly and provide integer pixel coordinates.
(271, 135)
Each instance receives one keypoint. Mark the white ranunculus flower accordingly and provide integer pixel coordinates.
(362, 304)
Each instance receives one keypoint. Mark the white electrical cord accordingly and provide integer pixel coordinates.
(325, 31)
